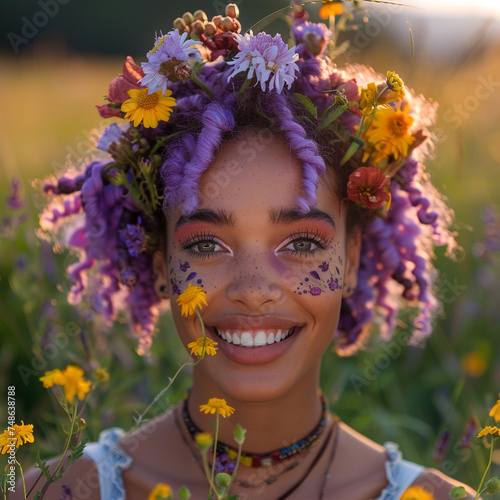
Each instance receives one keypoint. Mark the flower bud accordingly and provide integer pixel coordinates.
(188, 18)
(210, 29)
(200, 16)
(239, 434)
(183, 71)
(232, 10)
(492, 486)
(217, 20)
(116, 176)
(458, 492)
(204, 441)
(227, 24)
(184, 493)
(179, 24)
(198, 27)
(223, 479)
(146, 166)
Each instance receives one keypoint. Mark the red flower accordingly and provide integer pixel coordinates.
(369, 186)
(117, 91)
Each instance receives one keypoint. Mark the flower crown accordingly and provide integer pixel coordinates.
(182, 99)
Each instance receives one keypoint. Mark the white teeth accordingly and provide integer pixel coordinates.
(260, 338)
(246, 339)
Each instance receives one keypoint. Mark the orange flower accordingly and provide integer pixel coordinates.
(332, 8)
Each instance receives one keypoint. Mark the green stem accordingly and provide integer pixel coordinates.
(233, 475)
(198, 82)
(479, 492)
(215, 450)
(22, 478)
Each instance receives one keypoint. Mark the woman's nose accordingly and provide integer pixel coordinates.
(254, 285)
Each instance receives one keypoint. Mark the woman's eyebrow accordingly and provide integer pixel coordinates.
(217, 217)
(288, 215)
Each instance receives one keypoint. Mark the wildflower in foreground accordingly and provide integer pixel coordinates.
(16, 435)
(388, 133)
(417, 493)
(495, 411)
(191, 297)
(71, 379)
(490, 430)
(203, 345)
(204, 441)
(161, 491)
(395, 83)
(268, 58)
(219, 406)
(369, 186)
(330, 8)
(148, 108)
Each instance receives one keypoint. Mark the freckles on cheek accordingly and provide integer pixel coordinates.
(181, 275)
(325, 277)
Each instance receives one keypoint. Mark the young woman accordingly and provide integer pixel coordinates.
(296, 200)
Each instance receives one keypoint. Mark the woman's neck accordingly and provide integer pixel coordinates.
(271, 424)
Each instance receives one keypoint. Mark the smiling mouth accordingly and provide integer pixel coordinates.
(254, 338)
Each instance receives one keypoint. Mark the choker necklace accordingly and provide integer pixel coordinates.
(262, 459)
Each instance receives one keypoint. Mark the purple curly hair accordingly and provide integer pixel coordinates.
(395, 268)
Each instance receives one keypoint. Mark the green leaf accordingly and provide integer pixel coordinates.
(77, 452)
(332, 116)
(37, 495)
(458, 492)
(234, 497)
(42, 465)
(309, 105)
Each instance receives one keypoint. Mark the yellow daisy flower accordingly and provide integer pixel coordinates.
(52, 377)
(417, 493)
(330, 8)
(203, 345)
(490, 430)
(191, 297)
(18, 435)
(161, 491)
(71, 379)
(148, 108)
(368, 101)
(219, 406)
(388, 133)
(495, 411)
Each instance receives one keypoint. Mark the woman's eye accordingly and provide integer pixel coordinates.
(302, 245)
(206, 247)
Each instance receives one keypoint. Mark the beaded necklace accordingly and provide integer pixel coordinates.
(263, 459)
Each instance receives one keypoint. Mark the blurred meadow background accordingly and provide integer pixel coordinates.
(431, 400)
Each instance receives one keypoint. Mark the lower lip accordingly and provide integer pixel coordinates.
(255, 355)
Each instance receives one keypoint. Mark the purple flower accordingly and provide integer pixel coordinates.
(110, 135)
(333, 284)
(224, 464)
(270, 59)
(324, 266)
(313, 36)
(134, 238)
(129, 277)
(315, 291)
(14, 200)
(169, 51)
(184, 267)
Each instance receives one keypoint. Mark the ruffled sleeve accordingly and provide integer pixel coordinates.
(110, 461)
(400, 473)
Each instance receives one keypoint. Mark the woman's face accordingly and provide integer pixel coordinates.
(274, 277)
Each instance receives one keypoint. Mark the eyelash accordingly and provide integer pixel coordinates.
(316, 237)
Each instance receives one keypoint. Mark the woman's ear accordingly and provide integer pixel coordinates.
(353, 251)
(160, 271)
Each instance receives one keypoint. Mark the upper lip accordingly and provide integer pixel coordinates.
(253, 323)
